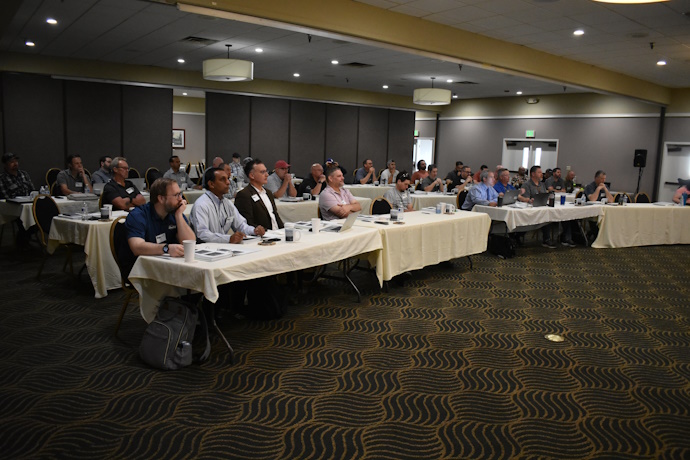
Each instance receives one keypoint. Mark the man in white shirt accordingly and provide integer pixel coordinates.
(214, 216)
(389, 175)
(255, 202)
(280, 182)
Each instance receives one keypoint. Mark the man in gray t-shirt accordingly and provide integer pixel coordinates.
(555, 183)
(532, 187)
(280, 182)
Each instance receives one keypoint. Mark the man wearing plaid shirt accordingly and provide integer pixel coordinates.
(13, 181)
(237, 168)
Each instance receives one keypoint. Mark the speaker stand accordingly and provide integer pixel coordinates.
(639, 177)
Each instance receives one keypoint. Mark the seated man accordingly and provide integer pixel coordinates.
(13, 181)
(104, 172)
(255, 202)
(217, 161)
(157, 227)
(481, 168)
(532, 187)
(237, 168)
(684, 188)
(336, 202)
(73, 179)
(421, 172)
(232, 188)
(120, 192)
(555, 183)
(432, 183)
(503, 184)
(399, 197)
(331, 163)
(453, 177)
(569, 182)
(280, 182)
(596, 191)
(366, 174)
(388, 175)
(179, 175)
(314, 183)
(214, 216)
(483, 193)
(520, 178)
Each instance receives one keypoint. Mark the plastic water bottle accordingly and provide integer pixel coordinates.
(624, 200)
(84, 210)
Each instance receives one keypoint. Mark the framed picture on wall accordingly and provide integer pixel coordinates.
(178, 138)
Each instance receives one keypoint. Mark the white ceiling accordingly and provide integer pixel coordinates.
(145, 33)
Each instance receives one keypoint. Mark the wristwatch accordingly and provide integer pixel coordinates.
(165, 248)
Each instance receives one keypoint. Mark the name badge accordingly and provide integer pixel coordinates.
(255, 197)
(161, 238)
(78, 184)
(129, 190)
(172, 227)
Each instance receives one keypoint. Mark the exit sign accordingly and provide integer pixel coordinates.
(416, 133)
(529, 134)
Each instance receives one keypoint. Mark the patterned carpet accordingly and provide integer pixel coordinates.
(454, 364)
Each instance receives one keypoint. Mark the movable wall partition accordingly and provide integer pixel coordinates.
(303, 133)
(46, 119)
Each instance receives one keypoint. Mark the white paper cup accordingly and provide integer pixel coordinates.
(603, 201)
(315, 225)
(183, 187)
(110, 210)
(189, 246)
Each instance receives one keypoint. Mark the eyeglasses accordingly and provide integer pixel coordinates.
(126, 168)
(263, 171)
(176, 195)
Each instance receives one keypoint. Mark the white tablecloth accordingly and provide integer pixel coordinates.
(94, 235)
(425, 200)
(515, 218)
(368, 191)
(295, 211)
(428, 239)
(156, 277)
(10, 211)
(643, 225)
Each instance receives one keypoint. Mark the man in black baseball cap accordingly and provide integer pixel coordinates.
(13, 181)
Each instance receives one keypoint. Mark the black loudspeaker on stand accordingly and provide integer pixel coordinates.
(640, 161)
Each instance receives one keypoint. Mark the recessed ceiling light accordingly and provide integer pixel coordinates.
(661, 62)
(51, 21)
(385, 86)
(29, 43)
(579, 32)
(184, 94)
(519, 93)
(334, 61)
(449, 81)
(295, 75)
(181, 61)
(259, 50)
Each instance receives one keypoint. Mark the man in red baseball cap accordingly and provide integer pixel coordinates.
(280, 182)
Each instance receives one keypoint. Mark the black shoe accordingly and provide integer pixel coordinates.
(568, 243)
(549, 244)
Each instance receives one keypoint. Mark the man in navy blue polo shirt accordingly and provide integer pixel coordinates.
(158, 227)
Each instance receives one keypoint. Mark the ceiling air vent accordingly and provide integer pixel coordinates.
(466, 82)
(357, 65)
(198, 40)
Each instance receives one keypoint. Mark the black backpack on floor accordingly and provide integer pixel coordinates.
(502, 246)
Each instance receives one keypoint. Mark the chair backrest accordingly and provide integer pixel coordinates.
(100, 201)
(419, 186)
(380, 206)
(118, 241)
(642, 198)
(151, 175)
(55, 189)
(88, 173)
(51, 176)
(44, 209)
(133, 173)
(461, 199)
(318, 212)
(617, 198)
(188, 167)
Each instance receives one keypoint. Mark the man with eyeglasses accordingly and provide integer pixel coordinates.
(256, 202)
(214, 217)
(121, 192)
(158, 227)
(280, 182)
